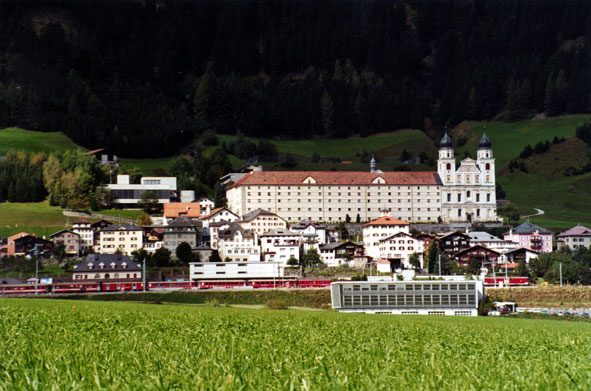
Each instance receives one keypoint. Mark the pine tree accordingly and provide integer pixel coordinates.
(327, 112)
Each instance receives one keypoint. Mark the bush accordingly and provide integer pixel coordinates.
(276, 304)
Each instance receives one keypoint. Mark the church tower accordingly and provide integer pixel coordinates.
(446, 164)
(485, 161)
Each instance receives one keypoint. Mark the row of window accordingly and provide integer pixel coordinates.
(409, 300)
(409, 200)
(120, 239)
(409, 287)
(468, 197)
(331, 187)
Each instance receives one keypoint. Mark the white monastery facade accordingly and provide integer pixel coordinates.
(452, 194)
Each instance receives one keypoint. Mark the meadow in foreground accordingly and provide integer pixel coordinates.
(64, 345)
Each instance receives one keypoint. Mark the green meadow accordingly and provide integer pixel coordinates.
(79, 345)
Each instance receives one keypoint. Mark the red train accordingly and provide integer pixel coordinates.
(129, 286)
(513, 281)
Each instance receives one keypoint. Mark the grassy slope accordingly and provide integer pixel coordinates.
(38, 218)
(509, 139)
(15, 139)
(43, 220)
(346, 148)
(125, 346)
(564, 200)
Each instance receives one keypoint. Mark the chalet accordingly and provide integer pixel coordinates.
(336, 254)
(453, 242)
(482, 254)
(23, 244)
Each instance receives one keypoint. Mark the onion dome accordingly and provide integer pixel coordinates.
(446, 142)
(484, 142)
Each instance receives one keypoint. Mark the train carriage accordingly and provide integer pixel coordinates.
(23, 289)
(170, 285)
(76, 287)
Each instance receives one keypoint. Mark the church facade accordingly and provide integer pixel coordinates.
(455, 193)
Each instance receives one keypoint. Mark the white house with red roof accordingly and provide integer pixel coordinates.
(381, 228)
(578, 236)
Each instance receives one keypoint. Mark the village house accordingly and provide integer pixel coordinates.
(490, 241)
(153, 239)
(107, 267)
(346, 253)
(279, 245)
(378, 229)
(175, 210)
(238, 244)
(397, 249)
(125, 238)
(453, 242)
(485, 256)
(517, 255)
(23, 244)
(261, 221)
(313, 234)
(531, 236)
(84, 230)
(69, 239)
(182, 230)
(576, 237)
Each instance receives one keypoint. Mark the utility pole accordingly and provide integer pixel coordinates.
(144, 274)
(560, 267)
(439, 263)
(36, 268)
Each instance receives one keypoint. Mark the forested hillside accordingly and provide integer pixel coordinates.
(145, 77)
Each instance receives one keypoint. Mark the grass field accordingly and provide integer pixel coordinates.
(42, 219)
(547, 297)
(16, 139)
(77, 345)
(35, 217)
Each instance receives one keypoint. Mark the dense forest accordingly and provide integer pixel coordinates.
(143, 78)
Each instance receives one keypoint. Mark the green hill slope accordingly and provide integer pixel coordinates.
(16, 139)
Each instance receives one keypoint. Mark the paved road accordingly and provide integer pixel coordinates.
(538, 212)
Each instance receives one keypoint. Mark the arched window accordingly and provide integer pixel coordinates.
(487, 166)
(448, 166)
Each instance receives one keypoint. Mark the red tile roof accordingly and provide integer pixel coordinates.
(176, 209)
(94, 151)
(386, 220)
(18, 235)
(338, 178)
